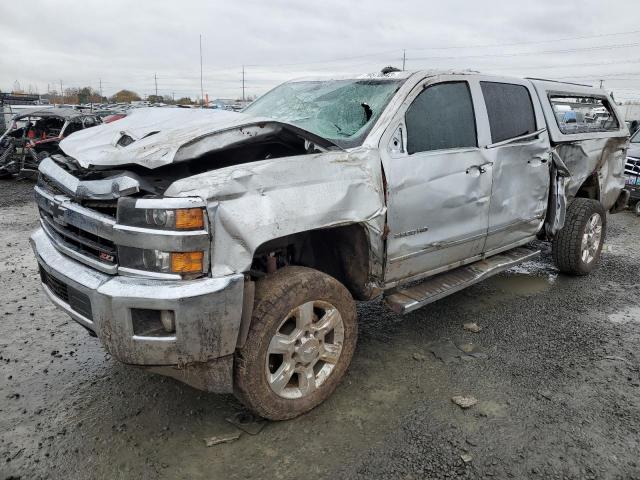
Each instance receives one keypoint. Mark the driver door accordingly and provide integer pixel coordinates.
(438, 180)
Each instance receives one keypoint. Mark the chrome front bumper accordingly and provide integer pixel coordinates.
(207, 311)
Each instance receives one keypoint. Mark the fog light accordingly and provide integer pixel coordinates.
(168, 319)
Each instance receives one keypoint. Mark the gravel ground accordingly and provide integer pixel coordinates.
(555, 370)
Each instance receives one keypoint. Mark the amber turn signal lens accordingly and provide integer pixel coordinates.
(187, 262)
(187, 218)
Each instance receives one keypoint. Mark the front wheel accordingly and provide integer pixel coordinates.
(301, 340)
(577, 246)
(636, 208)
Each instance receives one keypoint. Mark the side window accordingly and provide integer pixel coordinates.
(441, 117)
(582, 114)
(510, 110)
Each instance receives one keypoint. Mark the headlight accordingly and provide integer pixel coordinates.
(146, 243)
(187, 264)
(179, 219)
(160, 218)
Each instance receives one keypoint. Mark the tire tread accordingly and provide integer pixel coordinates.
(567, 243)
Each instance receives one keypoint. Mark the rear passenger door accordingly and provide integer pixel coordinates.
(520, 154)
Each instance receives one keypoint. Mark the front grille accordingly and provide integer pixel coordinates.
(75, 225)
(78, 301)
(108, 207)
(93, 246)
(632, 166)
(49, 185)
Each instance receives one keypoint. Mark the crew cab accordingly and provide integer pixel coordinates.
(227, 250)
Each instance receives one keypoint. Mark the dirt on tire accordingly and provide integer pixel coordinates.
(567, 244)
(276, 296)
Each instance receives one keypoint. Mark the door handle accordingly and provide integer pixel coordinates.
(481, 168)
(540, 159)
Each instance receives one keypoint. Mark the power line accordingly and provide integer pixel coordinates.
(535, 42)
(355, 57)
(565, 65)
(546, 52)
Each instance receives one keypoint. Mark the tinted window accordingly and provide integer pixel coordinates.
(580, 114)
(441, 117)
(510, 110)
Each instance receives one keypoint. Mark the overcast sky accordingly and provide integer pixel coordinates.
(124, 43)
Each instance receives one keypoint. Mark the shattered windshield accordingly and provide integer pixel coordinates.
(342, 111)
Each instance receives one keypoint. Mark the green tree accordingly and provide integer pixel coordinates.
(156, 99)
(88, 95)
(125, 96)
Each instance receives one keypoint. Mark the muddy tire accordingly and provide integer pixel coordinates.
(636, 208)
(577, 246)
(301, 340)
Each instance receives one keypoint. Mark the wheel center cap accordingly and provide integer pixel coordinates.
(308, 349)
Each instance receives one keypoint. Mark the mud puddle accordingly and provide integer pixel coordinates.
(629, 315)
(521, 284)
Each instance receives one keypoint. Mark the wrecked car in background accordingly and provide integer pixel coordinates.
(35, 134)
(226, 250)
(632, 172)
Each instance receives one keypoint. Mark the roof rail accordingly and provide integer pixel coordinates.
(558, 81)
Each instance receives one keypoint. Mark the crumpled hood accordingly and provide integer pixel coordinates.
(155, 136)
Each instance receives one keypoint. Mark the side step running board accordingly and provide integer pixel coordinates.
(407, 299)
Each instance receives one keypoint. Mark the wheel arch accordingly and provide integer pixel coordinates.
(590, 188)
(342, 252)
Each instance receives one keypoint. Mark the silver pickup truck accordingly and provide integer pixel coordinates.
(227, 249)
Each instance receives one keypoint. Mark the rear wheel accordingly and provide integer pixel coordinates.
(577, 246)
(300, 343)
(636, 208)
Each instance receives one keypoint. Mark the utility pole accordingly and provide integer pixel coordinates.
(601, 83)
(173, 96)
(61, 93)
(100, 90)
(243, 84)
(201, 84)
(404, 58)
(155, 78)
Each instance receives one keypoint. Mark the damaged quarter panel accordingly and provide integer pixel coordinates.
(253, 203)
(603, 157)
